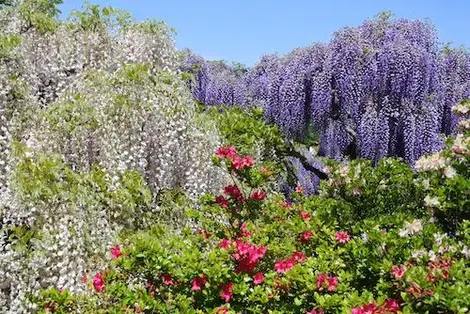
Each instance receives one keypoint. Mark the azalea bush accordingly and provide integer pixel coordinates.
(373, 190)
(255, 252)
(445, 175)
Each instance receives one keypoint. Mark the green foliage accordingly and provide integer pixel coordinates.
(40, 14)
(7, 44)
(247, 131)
(93, 18)
(312, 254)
(373, 191)
(71, 116)
(44, 179)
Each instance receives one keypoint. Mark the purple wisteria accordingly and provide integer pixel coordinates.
(384, 88)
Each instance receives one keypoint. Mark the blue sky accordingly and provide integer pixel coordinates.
(244, 30)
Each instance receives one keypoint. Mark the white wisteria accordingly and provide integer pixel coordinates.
(94, 105)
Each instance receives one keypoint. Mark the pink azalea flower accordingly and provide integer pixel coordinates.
(244, 232)
(116, 251)
(258, 278)
(98, 282)
(247, 255)
(285, 265)
(398, 272)
(306, 236)
(322, 278)
(332, 283)
(226, 152)
(299, 189)
(227, 290)
(357, 310)
(240, 163)
(342, 237)
(365, 309)
(225, 244)
(305, 215)
(168, 280)
(198, 283)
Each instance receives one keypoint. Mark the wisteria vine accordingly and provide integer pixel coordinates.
(384, 88)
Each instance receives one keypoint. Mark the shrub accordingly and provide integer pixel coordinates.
(257, 253)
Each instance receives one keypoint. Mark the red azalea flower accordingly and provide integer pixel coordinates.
(258, 195)
(98, 282)
(227, 290)
(342, 237)
(365, 309)
(258, 278)
(332, 283)
(234, 192)
(306, 236)
(391, 305)
(198, 283)
(244, 231)
(168, 280)
(225, 244)
(314, 311)
(299, 257)
(369, 308)
(222, 201)
(116, 251)
(222, 310)
(226, 152)
(398, 271)
(305, 215)
(84, 278)
(414, 291)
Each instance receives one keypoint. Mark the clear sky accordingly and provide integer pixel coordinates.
(244, 30)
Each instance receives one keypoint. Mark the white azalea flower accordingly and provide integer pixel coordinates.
(431, 201)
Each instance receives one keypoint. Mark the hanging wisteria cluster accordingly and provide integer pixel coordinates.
(93, 113)
(384, 88)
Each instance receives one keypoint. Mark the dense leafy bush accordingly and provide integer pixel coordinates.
(258, 253)
(373, 191)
